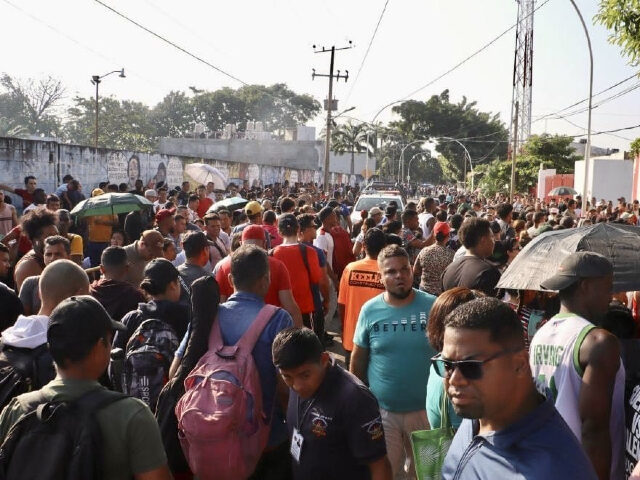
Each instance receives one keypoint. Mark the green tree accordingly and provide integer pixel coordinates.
(350, 138)
(32, 104)
(218, 108)
(174, 116)
(635, 147)
(548, 151)
(622, 17)
(482, 133)
(123, 125)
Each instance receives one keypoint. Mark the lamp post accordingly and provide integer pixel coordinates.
(468, 157)
(587, 150)
(409, 167)
(96, 79)
(401, 162)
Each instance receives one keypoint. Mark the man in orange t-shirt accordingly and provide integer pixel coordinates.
(359, 283)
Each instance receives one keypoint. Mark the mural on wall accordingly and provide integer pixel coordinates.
(117, 168)
(174, 172)
(253, 174)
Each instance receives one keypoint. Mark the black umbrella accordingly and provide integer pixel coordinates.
(232, 203)
(540, 259)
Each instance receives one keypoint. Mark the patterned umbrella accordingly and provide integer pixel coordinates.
(110, 204)
(203, 174)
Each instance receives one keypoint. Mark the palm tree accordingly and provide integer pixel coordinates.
(350, 138)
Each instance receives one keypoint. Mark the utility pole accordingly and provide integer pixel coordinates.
(329, 106)
(514, 152)
(96, 79)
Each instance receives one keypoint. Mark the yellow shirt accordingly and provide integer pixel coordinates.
(100, 233)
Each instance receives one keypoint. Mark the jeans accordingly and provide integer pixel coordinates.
(397, 433)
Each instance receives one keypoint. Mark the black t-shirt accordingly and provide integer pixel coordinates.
(471, 272)
(341, 427)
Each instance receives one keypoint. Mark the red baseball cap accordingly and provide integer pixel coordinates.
(253, 232)
(164, 213)
(441, 227)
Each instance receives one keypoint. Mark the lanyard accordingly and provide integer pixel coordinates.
(304, 414)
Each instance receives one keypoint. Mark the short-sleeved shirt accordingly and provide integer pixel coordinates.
(100, 233)
(203, 206)
(324, 241)
(399, 351)
(407, 237)
(435, 392)
(471, 272)
(235, 316)
(77, 247)
(280, 280)
(190, 272)
(539, 445)
(27, 198)
(30, 294)
(132, 443)
(359, 283)
(341, 428)
(433, 260)
(291, 256)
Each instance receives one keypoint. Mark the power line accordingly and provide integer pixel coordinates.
(477, 52)
(586, 99)
(174, 45)
(366, 54)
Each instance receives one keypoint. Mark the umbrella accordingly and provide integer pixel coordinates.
(540, 259)
(203, 173)
(232, 203)
(110, 204)
(562, 192)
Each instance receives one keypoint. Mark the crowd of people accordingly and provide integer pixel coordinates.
(193, 337)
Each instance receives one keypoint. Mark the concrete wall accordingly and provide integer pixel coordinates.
(49, 161)
(608, 179)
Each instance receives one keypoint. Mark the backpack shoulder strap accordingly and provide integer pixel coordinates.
(250, 337)
(215, 337)
(305, 259)
(30, 401)
(99, 398)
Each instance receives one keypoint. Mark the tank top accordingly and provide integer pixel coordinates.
(554, 356)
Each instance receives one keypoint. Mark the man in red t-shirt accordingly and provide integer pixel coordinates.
(205, 202)
(279, 293)
(26, 193)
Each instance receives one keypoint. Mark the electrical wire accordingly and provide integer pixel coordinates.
(635, 75)
(366, 54)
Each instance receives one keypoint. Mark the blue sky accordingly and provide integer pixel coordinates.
(271, 41)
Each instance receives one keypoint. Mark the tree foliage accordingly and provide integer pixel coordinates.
(635, 147)
(622, 18)
(482, 133)
(30, 106)
(351, 138)
(548, 151)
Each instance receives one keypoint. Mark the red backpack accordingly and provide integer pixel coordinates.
(342, 249)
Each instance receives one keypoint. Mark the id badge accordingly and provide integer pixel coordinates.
(296, 445)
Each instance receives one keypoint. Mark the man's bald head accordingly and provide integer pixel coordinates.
(60, 280)
(150, 244)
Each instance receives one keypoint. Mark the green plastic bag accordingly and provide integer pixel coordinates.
(430, 447)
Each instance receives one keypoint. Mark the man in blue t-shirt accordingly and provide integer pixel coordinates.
(391, 353)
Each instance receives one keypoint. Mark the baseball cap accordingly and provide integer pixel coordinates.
(96, 192)
(82, 319)
(576, 266)
(375, 211)
(253, 208)
(164, 213)
(150, 193)
(441, 227)
(253, 232)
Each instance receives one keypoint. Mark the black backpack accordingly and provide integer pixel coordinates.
(147, 359)
(56, 440)
(23, 370)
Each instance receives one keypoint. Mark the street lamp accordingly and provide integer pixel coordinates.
(468, 157)
(96, 79)
(409, 167)
(587, 150)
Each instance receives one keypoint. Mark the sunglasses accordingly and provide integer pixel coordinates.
(470, 369)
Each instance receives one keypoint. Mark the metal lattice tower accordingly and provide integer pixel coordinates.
(522, 74)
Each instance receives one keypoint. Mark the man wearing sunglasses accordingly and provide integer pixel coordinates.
(581, 363)
(510, 430)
